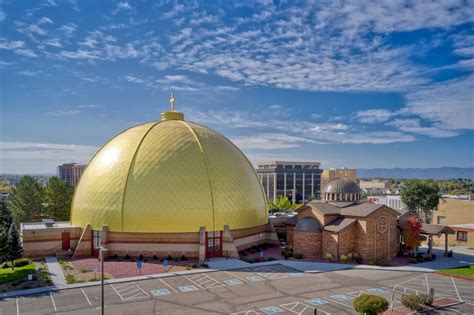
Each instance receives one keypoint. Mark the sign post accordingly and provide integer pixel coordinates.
(165, 263)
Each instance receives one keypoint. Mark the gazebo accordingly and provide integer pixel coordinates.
(436, 230)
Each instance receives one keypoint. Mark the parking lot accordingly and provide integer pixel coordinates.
(274, 289)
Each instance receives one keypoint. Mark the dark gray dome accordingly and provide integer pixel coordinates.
(308, 224)
(342, 185)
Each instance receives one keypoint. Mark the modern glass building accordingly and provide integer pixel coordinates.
(299, 181)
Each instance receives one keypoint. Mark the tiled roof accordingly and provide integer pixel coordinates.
(308, 224)
(339, 224)
(361, 209)
(436, 229)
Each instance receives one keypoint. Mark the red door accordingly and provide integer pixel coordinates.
(213, 244)
(66, 237)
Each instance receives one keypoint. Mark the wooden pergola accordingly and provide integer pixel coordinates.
(436, 230)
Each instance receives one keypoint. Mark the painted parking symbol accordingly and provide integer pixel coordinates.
(233, 282)
(294, 274)
(160, 292)
(271, 310)
(341, 297)
(377, 291)
(188, 288)
(255, 278)
(316, 301)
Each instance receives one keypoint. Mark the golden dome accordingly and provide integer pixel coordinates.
(169, 176)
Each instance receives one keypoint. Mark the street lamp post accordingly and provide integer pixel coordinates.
(101, 254)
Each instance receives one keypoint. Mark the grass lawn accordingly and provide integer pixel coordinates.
(8, 274)
(466, 271)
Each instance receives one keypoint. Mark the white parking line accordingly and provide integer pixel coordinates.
(85, 295)
(125, 293)
(17, 307)
(456, 289)
(166, 284)
(52, 300)
(198, 280)
(236, 276)
(292, 306)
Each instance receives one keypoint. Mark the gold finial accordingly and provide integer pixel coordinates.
(172, 100)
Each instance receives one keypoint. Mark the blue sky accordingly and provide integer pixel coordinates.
(347, 83)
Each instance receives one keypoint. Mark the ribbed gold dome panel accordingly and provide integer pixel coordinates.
(169, 176)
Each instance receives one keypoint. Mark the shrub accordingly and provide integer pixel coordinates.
(328, 257)
(359, 260)
(169, 257)
(140, 257)
(384, 262)
(412, 302)
(450, 253)
(420, 259)
(433, 256)
(370, 304)
(412, 261)
(115, 256)
(344, 258)
(298, 256)
(427, 258)
(21, 262)
(350, 256)
(70, 279)
(419, 255)
(183, 257)
(155, 257)
(270, 258)
(426, 299)
(372, 262)
(127, 256)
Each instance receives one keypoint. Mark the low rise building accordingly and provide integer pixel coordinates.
(459, 215)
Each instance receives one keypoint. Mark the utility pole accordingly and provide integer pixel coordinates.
(101, 254)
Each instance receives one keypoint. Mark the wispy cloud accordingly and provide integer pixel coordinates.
(32, 157)
(122, 6)
(414, 126)
(64, 112)
(25, 53)
(270, 141)
(374, 115)
(3, 15)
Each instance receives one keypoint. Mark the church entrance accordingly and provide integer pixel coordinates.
(213, 244)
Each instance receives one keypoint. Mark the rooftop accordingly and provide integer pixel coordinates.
(40, 225)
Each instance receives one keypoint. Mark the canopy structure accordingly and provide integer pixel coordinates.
(436, 230)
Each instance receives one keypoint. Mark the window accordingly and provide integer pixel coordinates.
(441, 220)
(461, 236)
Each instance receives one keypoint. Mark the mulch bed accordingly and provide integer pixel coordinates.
(437, 303)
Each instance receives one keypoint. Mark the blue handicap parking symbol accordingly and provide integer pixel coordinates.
(255, 278)
(233, 282)
(271, 310)
(317, 301)
(294, 274)
(188, 288)
(377, 291)
(341, 297)
(160, 292)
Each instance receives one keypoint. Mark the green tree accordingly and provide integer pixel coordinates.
(420, 195)
(26, 200)
(3, 244)
(58, 197)
(5, 215)
(282, 202)
(15, 248)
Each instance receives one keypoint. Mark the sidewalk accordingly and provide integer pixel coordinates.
(56, 272)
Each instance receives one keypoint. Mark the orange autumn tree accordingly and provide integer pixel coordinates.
(411, 233)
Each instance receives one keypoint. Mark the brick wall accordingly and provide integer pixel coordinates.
(347, 240)
(289, 236)
(329, 245)
(307, 243)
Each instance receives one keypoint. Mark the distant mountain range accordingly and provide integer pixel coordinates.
(422, 173)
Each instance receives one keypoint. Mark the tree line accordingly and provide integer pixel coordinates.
(29, 201)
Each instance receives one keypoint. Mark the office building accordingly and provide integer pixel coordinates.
(331, 174)
(71, 172)
(299, 181)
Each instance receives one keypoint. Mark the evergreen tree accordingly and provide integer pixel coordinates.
(5, 215)
(15, 247)
(3, 245)
(26, 200)
(58, 197)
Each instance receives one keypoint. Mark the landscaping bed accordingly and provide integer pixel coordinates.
(17, 279)
(88, 269)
